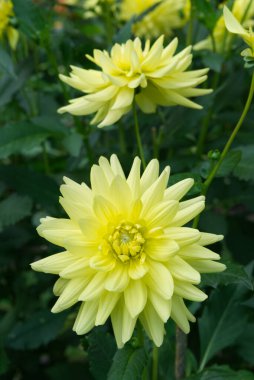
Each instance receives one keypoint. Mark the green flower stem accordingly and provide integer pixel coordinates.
(180, 356)
(122, 139)
(190, 27)
(155, 363)
(136, 125)
(207, 119)
(231, 138)
(45, 159)
(230, 141)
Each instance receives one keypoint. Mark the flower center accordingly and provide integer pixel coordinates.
(127, 242)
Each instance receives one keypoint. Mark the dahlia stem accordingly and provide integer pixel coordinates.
(230, 141)
(155, 363)
(180, 356)
(138, 138)
(207, 119)
(231, 138)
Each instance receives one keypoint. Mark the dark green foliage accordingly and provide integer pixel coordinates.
(38, 330)
(101, 345)
(38, 147)
(222, 322)
(128, 364)
(222, 373)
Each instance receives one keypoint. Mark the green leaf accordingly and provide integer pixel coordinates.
(41, 188)
(234, 274)
(4, 361)
(245, 344)
(229, 163)
(9, 86)
(73, 144)
(6, 62)
(206, 13)
(51, 124)
(38, 330)
(244, 169)
(128, 364)
(221, 373)
(13, 209)
(18, 137)
(29, 17)
(102, 347)
(222, 321)
(213, 60)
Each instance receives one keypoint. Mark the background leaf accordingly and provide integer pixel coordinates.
(128, 364)
(36, 331)
(16, 138)
(13, 209)
(221, 323)
(101, 345)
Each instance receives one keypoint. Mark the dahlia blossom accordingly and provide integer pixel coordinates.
(151, 76)
(163, 19)
(6, 12)
(243, 10)
(233, 25)
(126, 254)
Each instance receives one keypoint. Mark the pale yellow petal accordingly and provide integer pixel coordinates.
(153, 324)
(188, 291)
(232, 24)
(94, 288)
(118, 279)
(70, 294)
(85, 320)
(54, 263)
(181, 270)
(107, 303)
(161, 306)
(159, 280)
(135, 296)
(178, 190)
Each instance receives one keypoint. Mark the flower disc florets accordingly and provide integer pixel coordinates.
(150, 76)
(126, 254)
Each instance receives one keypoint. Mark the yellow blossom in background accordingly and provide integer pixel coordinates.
(6, 12)
(152, 76)
(233, 25)
(91, 7)
(125, 253)
(243, 11)
(163, 19)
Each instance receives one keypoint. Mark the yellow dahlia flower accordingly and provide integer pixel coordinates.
(242, 10)
(163, 19)
(6, 12)
(151, 76)
(233, 25)
(126, 254)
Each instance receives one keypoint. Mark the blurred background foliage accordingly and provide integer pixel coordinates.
(38, 147)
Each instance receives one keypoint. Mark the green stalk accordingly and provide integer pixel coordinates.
(190, 27)
(180, 356)
(207, 119)
(138, 138)
(155, 363)
(231, 138)
(230, 141)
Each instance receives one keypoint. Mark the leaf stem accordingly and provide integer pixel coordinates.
(155, 363)
(138, 138)
(180, 356)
